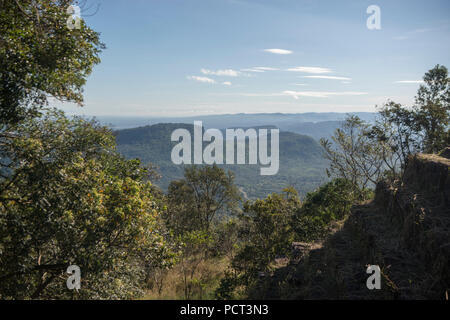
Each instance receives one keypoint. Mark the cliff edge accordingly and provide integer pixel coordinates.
(405, 230)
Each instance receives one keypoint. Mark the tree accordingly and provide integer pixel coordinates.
(363, 153)
(353, 156)
(401, 131)
(69, 198)
(330, 202)
(66, 196)
(40, 57)
(433, 109)
(196, 200)
(194, 247)
(396, 133)
(266, 234)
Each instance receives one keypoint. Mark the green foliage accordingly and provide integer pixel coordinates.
(41, 57)
(225, 235)
(365, 154)
(265, 234)
(397, 133)
(433, 109)
(69, 198)
(228, 286)
(329, 203)
(196, 207)
(194, 248)
(353, 156)
(422, 128)
(195, 201)
(270, 226)
(66, 196)
(301, 162)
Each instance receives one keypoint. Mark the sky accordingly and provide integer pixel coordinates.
(199, 57)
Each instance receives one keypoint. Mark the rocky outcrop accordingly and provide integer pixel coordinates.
(405, 230)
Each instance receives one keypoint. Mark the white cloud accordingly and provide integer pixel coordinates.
(278, 51)
(225, 72)
(321, 94)
(266, 68)
(299, 84)
(226, 83)
(201, 79)
(328, 77)
(252, 70)
(315, 70)
(409, 81)
(259, 69)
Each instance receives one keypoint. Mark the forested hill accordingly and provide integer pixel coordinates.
(315, 125)
(301, 162)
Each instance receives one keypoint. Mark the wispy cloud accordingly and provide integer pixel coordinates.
(225, 72)
(278, 51)
(201, 79)
(321, 94)
(329, 78)
(266, 68)
(252, 70)
(409, 81)
(314, 70)
(208, 80)
(299, 84)
(259, 69)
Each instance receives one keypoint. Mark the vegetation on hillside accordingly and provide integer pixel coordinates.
(69, 197)
(301, 162)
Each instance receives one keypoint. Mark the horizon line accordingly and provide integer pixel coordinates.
(218, 114)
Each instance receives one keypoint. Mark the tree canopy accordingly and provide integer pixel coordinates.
(71, 199)
(41, 58)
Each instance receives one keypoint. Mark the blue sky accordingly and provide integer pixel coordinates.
(197, 57)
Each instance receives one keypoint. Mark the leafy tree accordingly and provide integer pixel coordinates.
(194, 247)
(69, 198)
(196, 200)
(353, 156)
(266, 234)
(364, 153)
(320, 208)
(433, 109)
(396, 132)
(40, 57)
(66, 196)
(225, 234)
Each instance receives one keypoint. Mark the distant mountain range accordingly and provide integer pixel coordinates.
(301, 162)
(316, 125)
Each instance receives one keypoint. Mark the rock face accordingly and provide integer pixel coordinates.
(429, 173)
(405, 230)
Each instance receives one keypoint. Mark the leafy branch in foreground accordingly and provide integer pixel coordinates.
(41, 58)
(71, 199)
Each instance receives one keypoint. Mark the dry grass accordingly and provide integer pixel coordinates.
(206, 280)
